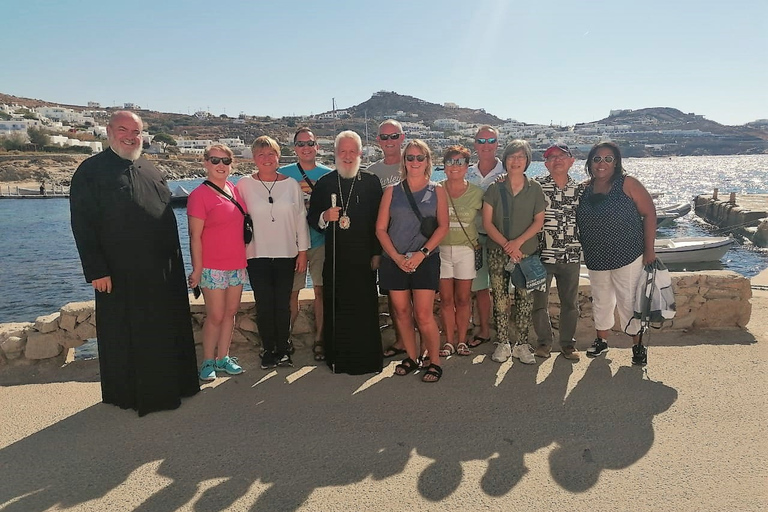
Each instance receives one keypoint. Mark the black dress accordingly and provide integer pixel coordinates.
(125, 228)
(351, 325)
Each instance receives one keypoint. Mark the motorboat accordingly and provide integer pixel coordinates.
(692, 249)
(179, 197)
(666, 214)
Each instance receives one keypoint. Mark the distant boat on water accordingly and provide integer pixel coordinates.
(179, 197)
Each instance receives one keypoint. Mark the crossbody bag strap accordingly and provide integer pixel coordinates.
(306, 178)
(217, 189)
(505, 209)
(461, 224)
(411, 200)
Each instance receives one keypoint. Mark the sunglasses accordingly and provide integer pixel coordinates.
(561, 156)
(411, 158)
(492, 140)
(457, 161)
(215, 160)
(607, 159)
(387, 136)
(302, 143)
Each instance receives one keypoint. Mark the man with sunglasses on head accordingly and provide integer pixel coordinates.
(390, 139)
(484, 173)
(560, 253)
(307, 171)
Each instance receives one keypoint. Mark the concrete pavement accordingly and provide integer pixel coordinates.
(686, 433)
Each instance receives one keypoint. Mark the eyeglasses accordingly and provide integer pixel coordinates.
(561, 156)
(215, 160)
(607, 159)
(387, 136)
(492, 140)
(302, 143)
(411, 158)
(457, 161)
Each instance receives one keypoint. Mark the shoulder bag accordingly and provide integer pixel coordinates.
(247, 221)
(428, 224)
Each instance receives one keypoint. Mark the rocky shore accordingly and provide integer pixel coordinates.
(29, 170)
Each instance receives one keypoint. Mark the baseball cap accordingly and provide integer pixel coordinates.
(562, 147)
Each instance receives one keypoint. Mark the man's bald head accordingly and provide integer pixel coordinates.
(124, 134)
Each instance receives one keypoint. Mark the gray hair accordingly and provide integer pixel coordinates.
(515, 146)
(348, 134)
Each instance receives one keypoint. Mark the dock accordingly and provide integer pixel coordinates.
(745, 215)
(58, 192)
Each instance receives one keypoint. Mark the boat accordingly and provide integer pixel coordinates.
(179, 197)
(666, 214)
(692, 249)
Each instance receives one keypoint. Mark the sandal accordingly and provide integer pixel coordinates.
(463, 350)
(393, 351)
(477, 341)
(447, 350)
(318, 350)
(423, 360)
(434, 372)
(406, 366)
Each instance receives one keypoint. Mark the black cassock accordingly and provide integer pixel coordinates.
(352, 338)
(125, 228)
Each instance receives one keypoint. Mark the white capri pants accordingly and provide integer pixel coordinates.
(612, 289)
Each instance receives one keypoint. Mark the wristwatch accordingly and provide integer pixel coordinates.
(424, 251)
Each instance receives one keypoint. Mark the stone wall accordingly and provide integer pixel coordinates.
(705, 300)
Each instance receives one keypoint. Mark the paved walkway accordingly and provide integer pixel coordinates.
(686, 433)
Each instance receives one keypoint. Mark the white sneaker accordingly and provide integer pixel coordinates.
(502, 352)
(524, 353)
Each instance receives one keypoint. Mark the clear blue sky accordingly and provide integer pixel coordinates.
(560, 61)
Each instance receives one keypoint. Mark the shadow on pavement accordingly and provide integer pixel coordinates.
(294, 436)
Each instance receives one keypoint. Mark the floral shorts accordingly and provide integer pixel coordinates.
(222, 279)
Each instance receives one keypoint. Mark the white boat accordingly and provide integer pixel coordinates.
(692, 249)
(666, 214)
(179, 196)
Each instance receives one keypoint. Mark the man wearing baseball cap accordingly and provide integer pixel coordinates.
(560, 253)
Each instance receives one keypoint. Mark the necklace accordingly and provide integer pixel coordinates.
(269, 192)
(344, 220)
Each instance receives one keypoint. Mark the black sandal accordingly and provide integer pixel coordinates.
(393, 351)
(406, 366)
(477, 341)
(318, 350)
(433, 370)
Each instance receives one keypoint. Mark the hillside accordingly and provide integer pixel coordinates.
(385, 104)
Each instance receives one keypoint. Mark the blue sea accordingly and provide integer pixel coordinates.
(40, 270)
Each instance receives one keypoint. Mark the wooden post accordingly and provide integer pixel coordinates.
(732, 199)
(714, 194)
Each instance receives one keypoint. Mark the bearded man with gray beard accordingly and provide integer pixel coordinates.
(128, 240)
(352, 255)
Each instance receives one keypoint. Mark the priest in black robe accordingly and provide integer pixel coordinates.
(352, 252)
(128, 240)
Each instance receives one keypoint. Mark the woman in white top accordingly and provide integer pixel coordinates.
(278, 249)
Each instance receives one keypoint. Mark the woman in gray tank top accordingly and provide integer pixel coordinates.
(410, 268)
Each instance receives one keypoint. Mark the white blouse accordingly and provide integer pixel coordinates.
(280, 228)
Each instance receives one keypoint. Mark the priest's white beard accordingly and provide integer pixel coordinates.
(132, 155)
(349, 170)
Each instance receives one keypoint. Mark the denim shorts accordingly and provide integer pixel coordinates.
(222, 279)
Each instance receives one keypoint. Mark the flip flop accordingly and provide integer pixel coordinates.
(447, 350)
(463, 350)
(477, 341)
(393, 351)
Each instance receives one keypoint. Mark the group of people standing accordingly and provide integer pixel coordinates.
(357, 232)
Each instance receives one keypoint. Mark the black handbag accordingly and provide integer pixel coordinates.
(247, 220)
(428, 224)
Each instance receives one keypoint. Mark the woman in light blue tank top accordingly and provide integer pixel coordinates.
(410, 268)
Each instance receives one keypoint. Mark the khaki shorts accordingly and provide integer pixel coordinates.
(315, 261)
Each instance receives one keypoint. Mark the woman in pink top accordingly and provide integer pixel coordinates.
(218, 259)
